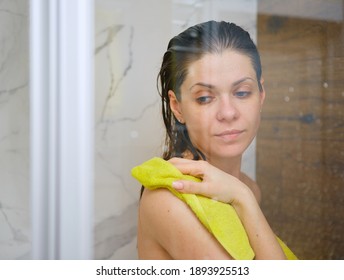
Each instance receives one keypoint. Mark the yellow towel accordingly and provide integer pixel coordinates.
(219, 218)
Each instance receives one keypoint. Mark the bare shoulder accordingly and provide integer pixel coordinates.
(151, 211)
(252, 185)
(169, 224)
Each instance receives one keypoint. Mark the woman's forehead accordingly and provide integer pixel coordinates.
(214, 66)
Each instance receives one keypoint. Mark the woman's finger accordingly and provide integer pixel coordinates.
(191, 187)
(190, 167)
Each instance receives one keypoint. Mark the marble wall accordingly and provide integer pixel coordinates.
(130, 35)
(14, 131)
(130, 39)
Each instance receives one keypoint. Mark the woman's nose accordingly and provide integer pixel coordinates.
(227, 110)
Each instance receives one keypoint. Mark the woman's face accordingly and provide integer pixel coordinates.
(220, 104)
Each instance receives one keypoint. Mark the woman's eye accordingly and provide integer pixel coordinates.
(242, 94)
(204, 99)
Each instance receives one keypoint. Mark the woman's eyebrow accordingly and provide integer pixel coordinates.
(242, 80)
(209, 86)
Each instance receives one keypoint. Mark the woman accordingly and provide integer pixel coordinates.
(212, 94)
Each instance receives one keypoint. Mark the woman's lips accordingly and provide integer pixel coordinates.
(230, 134)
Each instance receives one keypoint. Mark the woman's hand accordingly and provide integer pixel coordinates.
(219, 185)
(216, 184)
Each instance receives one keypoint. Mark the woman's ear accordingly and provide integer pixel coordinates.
(175, 106)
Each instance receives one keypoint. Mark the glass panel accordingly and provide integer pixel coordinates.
(131, 37)
(15, 239)
(299, 147)
(300, 144)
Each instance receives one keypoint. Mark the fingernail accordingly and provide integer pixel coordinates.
(177, 185)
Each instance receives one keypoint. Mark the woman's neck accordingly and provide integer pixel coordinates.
(231, 166)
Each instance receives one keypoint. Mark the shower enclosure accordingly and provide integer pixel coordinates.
(79, 108)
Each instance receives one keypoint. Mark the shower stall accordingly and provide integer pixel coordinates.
(79, 108)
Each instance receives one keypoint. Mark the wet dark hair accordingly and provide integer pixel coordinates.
(185, 48)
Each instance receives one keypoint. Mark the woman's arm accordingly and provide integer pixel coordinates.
(221, 186)
(168, 221)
